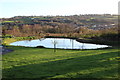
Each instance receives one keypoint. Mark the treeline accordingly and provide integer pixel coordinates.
(60, 30)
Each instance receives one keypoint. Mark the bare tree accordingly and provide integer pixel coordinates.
(54, 43)
(82, 47)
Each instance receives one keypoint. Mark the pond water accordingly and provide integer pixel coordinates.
(62, 43)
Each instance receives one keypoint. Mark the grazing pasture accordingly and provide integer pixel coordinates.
(26, 62)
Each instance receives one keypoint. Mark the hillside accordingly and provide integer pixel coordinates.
(92, 26)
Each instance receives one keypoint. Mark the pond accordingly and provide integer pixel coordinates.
(62, 43)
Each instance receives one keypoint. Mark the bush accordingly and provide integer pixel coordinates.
(7, 36)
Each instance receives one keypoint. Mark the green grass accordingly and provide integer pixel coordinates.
(8, 21)
(44, 63)
(7, 41)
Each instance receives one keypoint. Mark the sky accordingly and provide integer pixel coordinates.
(11, 8)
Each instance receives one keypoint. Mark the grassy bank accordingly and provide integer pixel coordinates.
(44, 63)
(7, 41)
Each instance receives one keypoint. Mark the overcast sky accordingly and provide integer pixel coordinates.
(10, 8)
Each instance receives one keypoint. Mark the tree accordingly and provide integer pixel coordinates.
(55, 43)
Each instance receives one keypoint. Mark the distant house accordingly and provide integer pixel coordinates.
(94, 26)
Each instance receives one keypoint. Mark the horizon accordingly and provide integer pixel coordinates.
(13, 8)
(56, 15)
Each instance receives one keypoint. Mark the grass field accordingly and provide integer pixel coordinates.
(44, 63)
